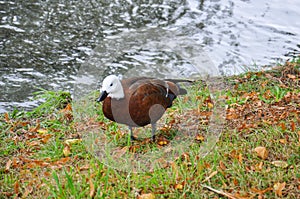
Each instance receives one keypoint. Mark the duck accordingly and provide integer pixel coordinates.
(138, 101)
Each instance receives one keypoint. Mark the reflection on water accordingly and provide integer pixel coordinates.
(43, 44)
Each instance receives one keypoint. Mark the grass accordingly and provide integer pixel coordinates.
(45, 154)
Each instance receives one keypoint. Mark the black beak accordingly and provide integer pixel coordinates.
(103, 95)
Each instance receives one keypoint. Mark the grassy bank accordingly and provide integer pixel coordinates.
(43, 153)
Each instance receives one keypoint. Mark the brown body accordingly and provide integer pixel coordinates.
(145, 101)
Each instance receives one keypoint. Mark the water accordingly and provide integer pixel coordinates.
(43, 44)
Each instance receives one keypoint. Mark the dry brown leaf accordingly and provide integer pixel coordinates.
(185, 157)
(174, 168)
(279, 163)
(8, 164)
(85, 167)
(67, 111)
(162, 142)
(62, 160)
(291, 76)
(235, 182)
(278, 187)
(28, 191)
(210, 105)
(283, 127)
(47, 174)
(222, 165)
(6, 116)
(282, 141)
(240, 158)
(68, 107)
(46, 138)
(261, 191)
(259, 166)
(34, 143)
(36, 128)
(42, 131)
(200, 138)
(72, 141)
(293, 126)
(16, 187)
(178, 186)
(92, 189)
(146, 196)
(67, 151)
(262, 152)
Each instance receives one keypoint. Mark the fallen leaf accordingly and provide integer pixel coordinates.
(261, 191)
(47, 174)
(262, 152)
(36, 128)
(68, 107)
(72, 141)
(185, 157)
(120, 152)
(28, 191)
(222, 165)
(235, 182)
(62, 161)
(34, 143)
(67, 151)
(85, 167)
(92, 189)
(279, 163)
(178, 186)
(42, 131)
(240, 158)
(291, 76)
(67, 111)
(46, 138)
(16, 187)
(146, 196)
(282, 141)
(6, 116)
(259, 166)
(210, 105)
(199, 138)
(283, 127)
(8, 164)
(293, 126)
(162, 142)
(278, 187)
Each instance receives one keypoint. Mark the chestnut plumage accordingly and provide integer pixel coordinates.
(138, 101)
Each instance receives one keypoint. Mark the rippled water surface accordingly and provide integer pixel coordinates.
(43, 44)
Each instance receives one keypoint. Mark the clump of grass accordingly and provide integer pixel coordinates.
(52, 101)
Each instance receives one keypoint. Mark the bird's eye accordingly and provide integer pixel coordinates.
(111, 84)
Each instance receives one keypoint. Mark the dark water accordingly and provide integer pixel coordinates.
(43, 44)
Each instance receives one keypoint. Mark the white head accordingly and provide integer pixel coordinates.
(113, 87)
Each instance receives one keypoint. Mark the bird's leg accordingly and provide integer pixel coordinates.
(131, 134)
(153, 131)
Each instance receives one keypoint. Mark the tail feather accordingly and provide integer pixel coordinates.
(179, 80)
(181, 91)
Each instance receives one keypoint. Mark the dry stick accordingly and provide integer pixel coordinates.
(219, 192)
(210, 176)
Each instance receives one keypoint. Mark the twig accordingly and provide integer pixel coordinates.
(219, 192)
(210, 176)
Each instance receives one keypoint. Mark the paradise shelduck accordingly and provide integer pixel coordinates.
(138, 101)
